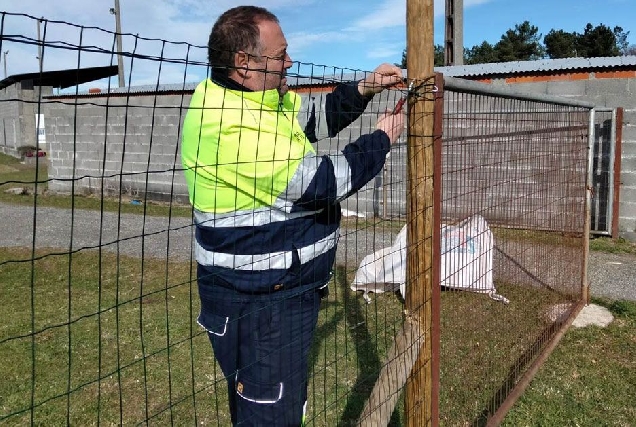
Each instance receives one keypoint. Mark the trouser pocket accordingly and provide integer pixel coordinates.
(258, 392)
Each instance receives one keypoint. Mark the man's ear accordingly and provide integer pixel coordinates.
(241, 63)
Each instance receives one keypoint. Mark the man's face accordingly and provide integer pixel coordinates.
(268, 70)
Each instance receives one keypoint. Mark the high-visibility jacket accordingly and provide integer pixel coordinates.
(266, 206)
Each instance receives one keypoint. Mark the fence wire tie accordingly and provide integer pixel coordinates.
(421, 89)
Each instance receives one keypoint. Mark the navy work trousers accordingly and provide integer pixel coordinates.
(262, 344)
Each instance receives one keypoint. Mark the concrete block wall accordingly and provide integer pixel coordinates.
(10, 128)
(605, 90)
(132, 145)
(19, 103)
(118, 145)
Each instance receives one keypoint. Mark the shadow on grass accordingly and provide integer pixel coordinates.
(368, 360)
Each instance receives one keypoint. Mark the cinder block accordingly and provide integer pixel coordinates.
(619, 100)
(628, 164)
(627, 216)
(628, 147)
(602, 87)
(567, 88)
(628, 177)
(629, 117)
(628, 194)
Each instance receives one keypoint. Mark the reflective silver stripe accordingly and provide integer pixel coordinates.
(342, 170)
(308, 168)
(302, 177)
(322, 246)
(262, 262)
(252, 218)
(275, 260)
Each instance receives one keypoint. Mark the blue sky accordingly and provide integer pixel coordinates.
(353, 34)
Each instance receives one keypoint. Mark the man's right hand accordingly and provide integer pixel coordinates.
(392, 125)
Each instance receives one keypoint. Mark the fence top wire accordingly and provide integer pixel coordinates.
(467, 86)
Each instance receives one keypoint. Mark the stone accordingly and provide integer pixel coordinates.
(593, 314)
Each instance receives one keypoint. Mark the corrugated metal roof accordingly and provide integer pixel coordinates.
(506, 68)
(62, 78)
(293, 81)
(539, 66)
(171, 87)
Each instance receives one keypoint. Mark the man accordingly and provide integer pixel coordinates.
(267, 210)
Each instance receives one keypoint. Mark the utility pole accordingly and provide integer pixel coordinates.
(120, 60)
(454, 33)
(6, 52)
(40, 58)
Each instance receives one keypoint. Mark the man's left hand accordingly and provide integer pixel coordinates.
(385, 75)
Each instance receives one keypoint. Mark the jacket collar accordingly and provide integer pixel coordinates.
(228, 83)
(269, 98)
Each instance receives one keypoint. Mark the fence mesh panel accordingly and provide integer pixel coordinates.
(96, 262)
(97, 267)
(513, 212)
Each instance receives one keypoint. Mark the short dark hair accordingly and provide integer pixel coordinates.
(236, 30)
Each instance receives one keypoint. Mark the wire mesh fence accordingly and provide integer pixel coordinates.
(98, 252)
(514, 209)
(97, 262)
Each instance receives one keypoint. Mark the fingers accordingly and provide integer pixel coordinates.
(390, 74)
(385, 75)
(392, 125)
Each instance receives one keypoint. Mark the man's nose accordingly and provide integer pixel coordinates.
(288, 61)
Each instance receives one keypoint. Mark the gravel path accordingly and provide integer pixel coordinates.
(64, 229)
(610, 275)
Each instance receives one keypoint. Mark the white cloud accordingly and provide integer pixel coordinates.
(299, 41)
(391, 13)
(386, 51)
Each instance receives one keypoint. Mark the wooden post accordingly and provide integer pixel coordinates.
(393, 375)
(420, 204)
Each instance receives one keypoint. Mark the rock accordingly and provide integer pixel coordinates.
(593, 315)
(17, 190)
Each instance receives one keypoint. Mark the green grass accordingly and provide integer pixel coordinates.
(14, 174)
(115, 338)
(99, 337)
(589, 380)
(606, 244)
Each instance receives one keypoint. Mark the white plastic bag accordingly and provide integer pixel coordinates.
(466, 261)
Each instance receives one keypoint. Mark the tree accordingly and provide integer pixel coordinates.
(403, 64)
(595, 41)
(561, 44)
(439, 56)
(621, 40)
(598, 41)
(481, 54)
(521, 44)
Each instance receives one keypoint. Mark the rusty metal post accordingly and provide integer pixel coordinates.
(420, 201)
(618, 152)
